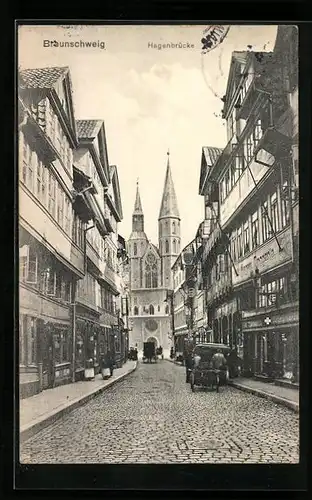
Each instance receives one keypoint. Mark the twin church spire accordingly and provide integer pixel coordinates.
(169, 204)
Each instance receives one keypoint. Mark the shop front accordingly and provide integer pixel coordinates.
(227, 324)
(87, 350)
(271, 344)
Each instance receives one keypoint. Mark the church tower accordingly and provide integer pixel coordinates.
(137, 243)
(168, 229)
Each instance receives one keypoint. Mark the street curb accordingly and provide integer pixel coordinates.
(257, 392)
(31, 429)
(271, 397)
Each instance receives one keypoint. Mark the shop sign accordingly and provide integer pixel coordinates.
(267, 257)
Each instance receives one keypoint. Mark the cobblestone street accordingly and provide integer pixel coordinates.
(153, 417)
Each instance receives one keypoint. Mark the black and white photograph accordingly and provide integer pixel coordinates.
(158, 244)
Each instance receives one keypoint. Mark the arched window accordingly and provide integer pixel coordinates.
(174, 246)
(167, 309)
(167, 246)
(158, 308)
(136, 311)
(166, 227)
(151, 309)
(151, 272)
(135, 249)
(173, 228)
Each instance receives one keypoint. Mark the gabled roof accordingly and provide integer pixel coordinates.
(209, 157)
(88, 129)
(169, 204)
(43, 78)
(44, 82)
(116, 188)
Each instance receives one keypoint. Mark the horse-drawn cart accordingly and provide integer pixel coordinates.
(149, 352)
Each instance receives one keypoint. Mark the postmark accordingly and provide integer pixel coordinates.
(213, 36)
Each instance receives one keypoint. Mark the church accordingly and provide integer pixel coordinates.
(150, 273)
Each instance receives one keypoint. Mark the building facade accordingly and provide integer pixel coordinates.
(69, 207)
(150, 274)
(250, 259)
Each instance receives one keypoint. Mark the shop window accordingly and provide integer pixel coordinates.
(61, 345)
(117, 343)
(32, 352)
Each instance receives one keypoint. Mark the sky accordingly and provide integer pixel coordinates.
(151, 100)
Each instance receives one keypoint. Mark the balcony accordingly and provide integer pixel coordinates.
(219, 288)
(264, 258)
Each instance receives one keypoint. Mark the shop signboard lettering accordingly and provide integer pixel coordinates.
(267, 257)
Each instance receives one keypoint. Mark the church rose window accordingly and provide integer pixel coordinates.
(151, 325)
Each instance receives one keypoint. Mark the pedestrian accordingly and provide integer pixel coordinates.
(234, 363)
(218, 360)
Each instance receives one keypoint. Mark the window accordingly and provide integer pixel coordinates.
(233, 176)
(173, 227)
(136, 311)
(78, 232)
(49, 281)
(151, 273)
(255, 229)
(239, 243)
(32, 351)
(249, 148)
(67, 213)
(28, 166)
(166, 246)
(28, 260)
(135, 249)
(239, 164)
(274, 212)
(160, 229)
(167, 309)
(233, 246)
(265, 221)
(174, 246)
(41, 182)
(60, 205)
(227, 183)
(151, 309)
(51, 193)
(257, 132)
(284, 205)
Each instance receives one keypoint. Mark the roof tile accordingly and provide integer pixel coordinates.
(42, 77)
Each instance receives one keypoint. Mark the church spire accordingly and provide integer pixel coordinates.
(138, 216)
(169, 205)
(138, 205)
